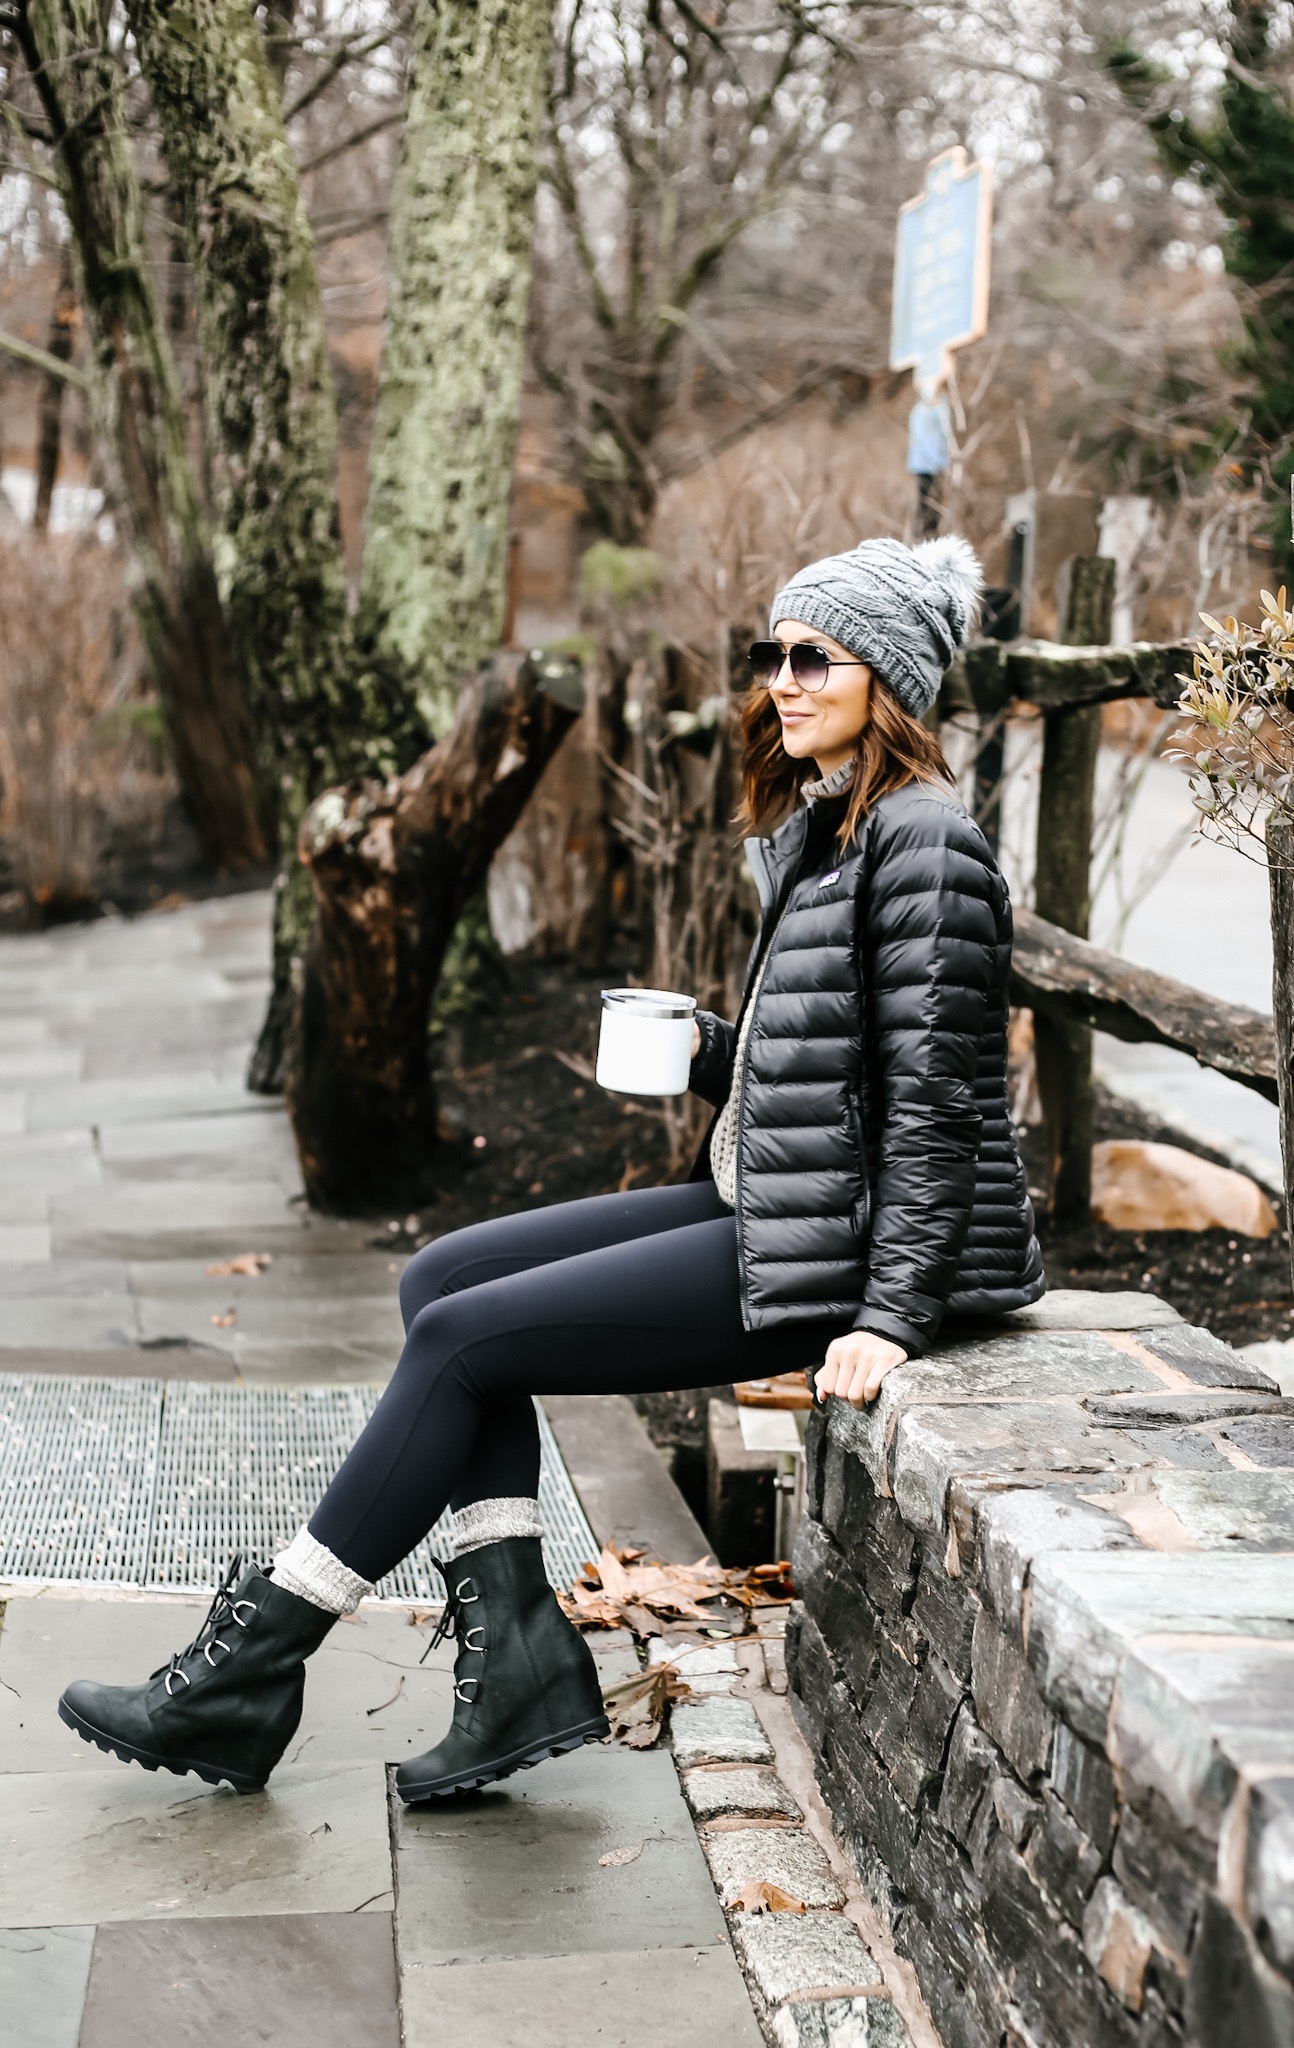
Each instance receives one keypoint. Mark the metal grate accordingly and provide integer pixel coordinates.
(240, 1468)
(78, 1475)
(136, 1483)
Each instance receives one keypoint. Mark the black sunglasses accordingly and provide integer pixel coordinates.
(809, 664)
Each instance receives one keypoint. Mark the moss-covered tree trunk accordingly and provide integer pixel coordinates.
(392, 869)
(435, 553)
(270, 423)
(142, 426)
(322, 715)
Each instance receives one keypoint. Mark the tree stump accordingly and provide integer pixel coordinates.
(391, 865)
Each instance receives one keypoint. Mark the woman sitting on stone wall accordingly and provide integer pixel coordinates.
(860, 1178)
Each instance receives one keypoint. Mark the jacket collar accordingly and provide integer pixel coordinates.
(773, 861)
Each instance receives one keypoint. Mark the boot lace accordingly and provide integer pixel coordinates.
(224, 1613)
(454, 1625)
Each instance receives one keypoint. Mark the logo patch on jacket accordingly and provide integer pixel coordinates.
(834, 876)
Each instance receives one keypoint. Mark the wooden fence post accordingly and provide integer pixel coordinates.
(999, 620)
(1280, 869)
(1063, 895)
(1002, 619)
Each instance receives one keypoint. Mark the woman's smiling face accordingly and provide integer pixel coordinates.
(821, 725)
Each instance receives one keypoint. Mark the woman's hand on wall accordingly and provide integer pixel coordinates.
(855, 1366)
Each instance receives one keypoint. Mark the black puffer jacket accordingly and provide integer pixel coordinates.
(878, 1178)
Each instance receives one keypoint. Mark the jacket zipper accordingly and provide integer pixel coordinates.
(864, 1171)
(757, 861)
(736, 1178)
(760, 873)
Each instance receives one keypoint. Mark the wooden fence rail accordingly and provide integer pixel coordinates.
(1055, 974)
(992, 674)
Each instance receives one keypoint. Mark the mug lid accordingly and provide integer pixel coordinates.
(649, 1002)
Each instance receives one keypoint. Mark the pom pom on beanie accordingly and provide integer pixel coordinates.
(904, 611)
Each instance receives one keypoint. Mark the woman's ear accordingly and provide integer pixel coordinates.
(869, 696)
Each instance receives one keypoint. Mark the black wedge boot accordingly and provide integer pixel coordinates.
(228, 1706)
(525, 1683)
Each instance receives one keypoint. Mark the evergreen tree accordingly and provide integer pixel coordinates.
(1245, 157)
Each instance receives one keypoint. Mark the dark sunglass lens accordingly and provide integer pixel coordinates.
(765, 658)
(809, 666)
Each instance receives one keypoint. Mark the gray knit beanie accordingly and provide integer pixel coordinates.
(905, 611)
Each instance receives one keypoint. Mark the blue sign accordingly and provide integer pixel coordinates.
(930, 433)
(941, 265)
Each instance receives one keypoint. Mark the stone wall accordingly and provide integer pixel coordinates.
(1045, 1658)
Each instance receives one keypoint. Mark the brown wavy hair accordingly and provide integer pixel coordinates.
(893, 749)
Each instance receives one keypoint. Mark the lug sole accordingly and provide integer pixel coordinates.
(524, 1759)
(126, 1753)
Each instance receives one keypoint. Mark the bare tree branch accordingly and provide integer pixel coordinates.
(333, 227)
(764, 416)
(352, 141)
(352, 51)
(563, 185)
(41, 359)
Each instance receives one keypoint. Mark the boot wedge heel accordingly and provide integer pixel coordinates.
(470, 1778)
(226, 1707)
(525, 1684)
(126, 1753)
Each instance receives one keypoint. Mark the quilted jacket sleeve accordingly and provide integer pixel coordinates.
(711, 1076)
(931, 929)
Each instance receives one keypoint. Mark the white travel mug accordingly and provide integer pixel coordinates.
(645, 1044)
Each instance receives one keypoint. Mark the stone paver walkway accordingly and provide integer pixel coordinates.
(133, 1158)
(572, 1905)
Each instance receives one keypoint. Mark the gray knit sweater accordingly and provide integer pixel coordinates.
(723, 1138)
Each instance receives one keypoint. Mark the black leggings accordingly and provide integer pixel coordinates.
(623, 1294)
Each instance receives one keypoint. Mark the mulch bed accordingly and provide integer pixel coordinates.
(1238, 1287)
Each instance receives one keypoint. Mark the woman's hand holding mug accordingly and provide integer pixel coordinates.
(855, 1365)
(696, 1040)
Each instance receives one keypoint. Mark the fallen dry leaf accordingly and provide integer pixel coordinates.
(248, 1264)
(641, 1620)
(615, 1857)
(622, 1589)
(613, 1576)
(759, 1896)
(636, 1705)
